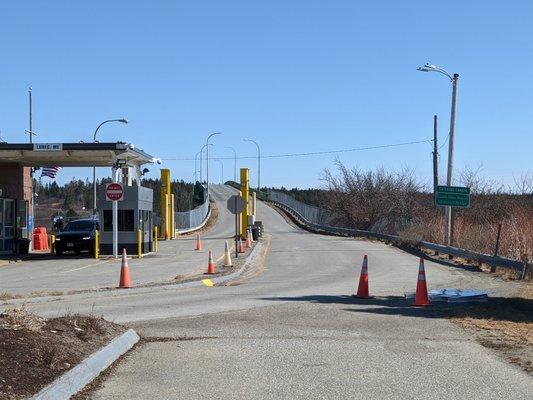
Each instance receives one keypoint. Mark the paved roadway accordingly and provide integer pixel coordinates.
(48, 274)
(293, 332)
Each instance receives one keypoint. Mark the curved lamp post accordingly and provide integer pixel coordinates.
(201, 160)
(122, 120)
(258, 162)
(207, 159)
(454, 79)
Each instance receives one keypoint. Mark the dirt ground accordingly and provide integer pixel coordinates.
(504, 325)
(34, 351)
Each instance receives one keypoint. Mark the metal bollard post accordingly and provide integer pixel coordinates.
(96, 244)
(139, 243)
(155, 239)
(52, 244)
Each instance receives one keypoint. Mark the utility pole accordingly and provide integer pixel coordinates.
(449, 175)
(435, 158)
(454, 80)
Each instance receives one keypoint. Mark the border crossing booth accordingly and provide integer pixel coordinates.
(19, 160)
(134, 217)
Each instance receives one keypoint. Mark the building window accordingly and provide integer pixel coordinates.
(126, 222)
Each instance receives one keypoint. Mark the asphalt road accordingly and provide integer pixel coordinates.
(49, 274)
(294, 332)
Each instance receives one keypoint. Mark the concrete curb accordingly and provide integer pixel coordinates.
(82, 374)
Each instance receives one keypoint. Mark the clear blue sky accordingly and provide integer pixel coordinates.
(293, 75)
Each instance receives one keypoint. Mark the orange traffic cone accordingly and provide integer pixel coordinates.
(125, 280)
(241, 247)
(211, 267)
(362, 289)
(248, 239)
(421, 295)
(198, 242)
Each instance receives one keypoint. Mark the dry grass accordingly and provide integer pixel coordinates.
(20, 318)
(504, 325)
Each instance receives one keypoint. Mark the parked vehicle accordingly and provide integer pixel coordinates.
(77, 236)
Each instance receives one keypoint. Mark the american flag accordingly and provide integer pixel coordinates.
(50, 172)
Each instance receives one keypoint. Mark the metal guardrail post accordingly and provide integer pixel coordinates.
(155, 239)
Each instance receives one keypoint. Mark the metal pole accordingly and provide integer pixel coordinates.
(236, 229)
(201, 162)
(207, 167)
(30, 234)
(31, 126)
(115, 217)
(207, 160)
(435, 158)
(195, 166)
(124, 121)
(449, 175)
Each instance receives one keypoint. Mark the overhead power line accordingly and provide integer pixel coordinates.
(313, 153)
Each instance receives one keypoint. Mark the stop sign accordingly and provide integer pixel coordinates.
(114, 192)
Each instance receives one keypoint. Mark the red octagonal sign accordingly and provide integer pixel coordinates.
(114, 192)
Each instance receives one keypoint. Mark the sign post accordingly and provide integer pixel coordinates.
(453, 196)
(236, 206)
(114, 192)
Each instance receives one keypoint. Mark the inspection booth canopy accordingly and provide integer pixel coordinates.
(18, 160)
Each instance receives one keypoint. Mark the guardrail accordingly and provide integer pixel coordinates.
(497, 261)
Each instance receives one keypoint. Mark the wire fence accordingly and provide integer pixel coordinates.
(192, 218)
(312, 214)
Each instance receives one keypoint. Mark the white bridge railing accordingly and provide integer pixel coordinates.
(314, 218)
(193, 219)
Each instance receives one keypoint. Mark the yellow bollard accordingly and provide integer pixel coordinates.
(139, 244)
(52, 244)
(96, 244)
(155, 239)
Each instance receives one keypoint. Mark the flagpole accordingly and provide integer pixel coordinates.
(30, 225)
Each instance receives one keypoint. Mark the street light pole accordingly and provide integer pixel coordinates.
(258, 162)
(195, 165)
(122, 120)
(207, 159)
(234, 163)
(449, 175)
(202, 161)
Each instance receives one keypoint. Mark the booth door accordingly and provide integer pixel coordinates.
(7, 225)
(146, 228)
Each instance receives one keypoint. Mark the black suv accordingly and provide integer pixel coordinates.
(77, 236)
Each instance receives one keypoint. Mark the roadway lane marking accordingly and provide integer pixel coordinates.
(207, 282)
(85, 266)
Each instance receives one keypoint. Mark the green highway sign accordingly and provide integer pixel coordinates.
(454, 196)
